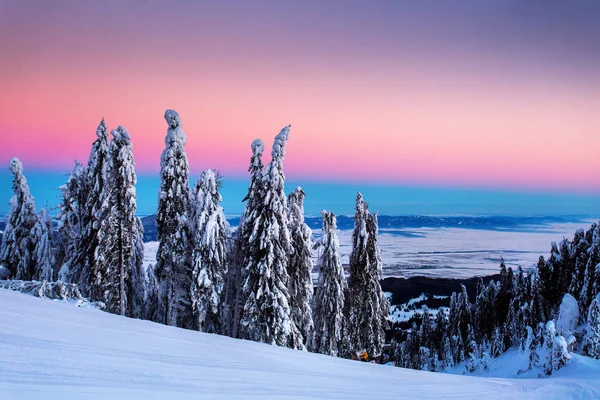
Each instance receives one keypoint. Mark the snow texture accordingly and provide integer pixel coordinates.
(54, 350)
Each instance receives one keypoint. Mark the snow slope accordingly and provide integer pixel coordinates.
(50, 349)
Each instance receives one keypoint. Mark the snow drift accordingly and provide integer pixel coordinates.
(50, 349)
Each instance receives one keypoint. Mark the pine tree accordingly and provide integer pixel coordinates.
(591, 281)
(209, 258)
(367, 306)
(580, 255)
(591, 344)
(91, 204)
(532, 344)
(267, 314)
(234, 302)
(300, 266)
(44, 248)
(549, 335)
(138, 274)
(70, 226)
(329, 295)
(117, 236)
(447, 360)
(173, 266)
(17, 252)
(151, 306)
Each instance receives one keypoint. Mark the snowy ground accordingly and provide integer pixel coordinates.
(53, 350)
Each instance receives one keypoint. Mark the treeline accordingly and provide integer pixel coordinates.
(254, 285)
(547, 312)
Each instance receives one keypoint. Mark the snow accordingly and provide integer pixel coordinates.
(457, 252)
(568, 315)
(50, 349)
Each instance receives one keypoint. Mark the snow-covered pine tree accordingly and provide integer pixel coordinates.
(17, 252)
(380, 302)
(447, 359)
(117, 236)
(151, 306)
(94, 187)
(366, 306)
(591, 282)
(300, 266)
(173, 266)
(591, 343)
(328, 309)
(70, 225)
(549, 335)
(210, 254)
(234, 280)
(138, 274)
(44, 248)
(267, 314)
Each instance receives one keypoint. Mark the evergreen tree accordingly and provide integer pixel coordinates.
(591, 344)
(549, 335)
(209, 258)
(17, 252)
(93, 184)
(173, 266)
(591, 281)
(44, 248)
(329, 295)
(367, 307)
(300, 266)
(580, 255)
(151, 300)
(138, 274)
(267, 314)
(234, 302)
(70, 225)
(115, 254)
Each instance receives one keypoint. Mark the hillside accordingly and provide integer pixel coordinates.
(52, 349)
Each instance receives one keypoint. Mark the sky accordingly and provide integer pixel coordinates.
(429, 107)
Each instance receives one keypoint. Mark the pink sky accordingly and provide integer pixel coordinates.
(365, 102)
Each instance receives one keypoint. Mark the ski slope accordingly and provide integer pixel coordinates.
(55, 350)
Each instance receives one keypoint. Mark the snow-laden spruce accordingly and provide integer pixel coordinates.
(209, 257)
(173, 268)
(44, 248)
(138, 274)
(70, 226)
(234, 302)
(300, 266)
(117, 236)
(329, 294)
(267, 313)
(367, 307)
(17, 252)
(95, 185)
(591, 344)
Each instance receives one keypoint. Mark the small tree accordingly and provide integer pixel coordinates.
(70, 227)
(329, 295)
(300, 266)
(17, 252)
(44, 248)
(240, 257)
(591, 345)
(209, 258)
